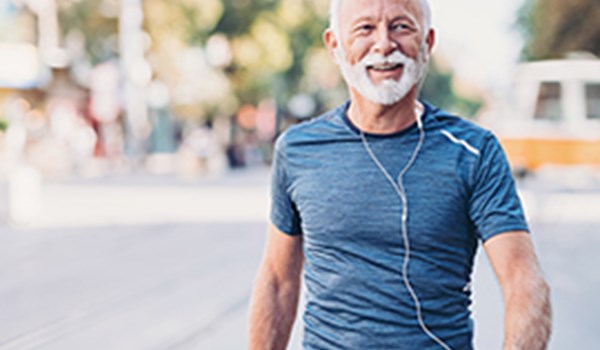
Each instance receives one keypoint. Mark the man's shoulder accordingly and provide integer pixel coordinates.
(452, 122)
(457, 128)
(327, 125)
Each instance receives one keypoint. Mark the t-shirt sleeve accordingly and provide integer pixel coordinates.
(284, 214)
(494, 206)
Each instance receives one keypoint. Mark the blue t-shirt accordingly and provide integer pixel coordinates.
(326, 188)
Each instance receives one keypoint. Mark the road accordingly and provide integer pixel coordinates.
(151, 263)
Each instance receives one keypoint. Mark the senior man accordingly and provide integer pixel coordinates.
(382, 203)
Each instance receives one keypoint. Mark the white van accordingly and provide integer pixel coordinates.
(552, 117)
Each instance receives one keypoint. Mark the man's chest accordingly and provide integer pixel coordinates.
(353, 199)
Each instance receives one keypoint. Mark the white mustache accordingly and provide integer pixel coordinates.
(395, 57)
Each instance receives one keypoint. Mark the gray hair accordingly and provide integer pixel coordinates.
(334, 20)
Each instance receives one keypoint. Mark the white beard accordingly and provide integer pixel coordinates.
(389, 91)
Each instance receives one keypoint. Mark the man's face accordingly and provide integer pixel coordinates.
(381, 47)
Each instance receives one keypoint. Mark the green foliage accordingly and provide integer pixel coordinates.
(239, 15)
(524, 24)
(302, 39)
(99, 31)
(437, 89)
(3, 125)
(280, 33)
(553, 28)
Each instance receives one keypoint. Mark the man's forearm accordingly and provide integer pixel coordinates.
(528, 316)
(272, 314)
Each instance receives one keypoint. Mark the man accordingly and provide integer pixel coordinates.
(382, 203)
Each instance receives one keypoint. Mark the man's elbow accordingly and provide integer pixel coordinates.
(538, 296)
(545, 293)
(530, 292)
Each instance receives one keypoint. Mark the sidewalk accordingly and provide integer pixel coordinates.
(143, 262)
(144, 199)
(242, 195)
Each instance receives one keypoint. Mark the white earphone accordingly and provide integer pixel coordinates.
(400, 190)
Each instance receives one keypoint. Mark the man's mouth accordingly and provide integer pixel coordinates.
(387, 67)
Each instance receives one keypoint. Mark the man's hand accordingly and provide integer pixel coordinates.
(276, 290)
(526, 294)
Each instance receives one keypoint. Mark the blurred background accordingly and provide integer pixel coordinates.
(136, 138)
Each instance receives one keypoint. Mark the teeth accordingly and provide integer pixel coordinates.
(386, 67)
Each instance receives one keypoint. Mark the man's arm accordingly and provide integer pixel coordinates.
(528, 315)
(276, 290)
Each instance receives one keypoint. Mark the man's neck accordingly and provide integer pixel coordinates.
(375, 118)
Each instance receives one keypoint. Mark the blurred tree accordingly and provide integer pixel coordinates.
(438, 89)
(93, 24)
(216, 55)
(552, 28)
(268, 41)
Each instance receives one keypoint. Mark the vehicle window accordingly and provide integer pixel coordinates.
(548, 106)
(592, 101)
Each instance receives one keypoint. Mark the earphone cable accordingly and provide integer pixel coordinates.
(400, 190)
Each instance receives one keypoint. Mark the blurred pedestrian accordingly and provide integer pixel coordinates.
(382, 203)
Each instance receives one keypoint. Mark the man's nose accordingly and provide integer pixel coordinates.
(384, 44)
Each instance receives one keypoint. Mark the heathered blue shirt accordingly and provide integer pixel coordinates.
(326, 188)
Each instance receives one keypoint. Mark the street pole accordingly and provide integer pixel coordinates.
(136, 77)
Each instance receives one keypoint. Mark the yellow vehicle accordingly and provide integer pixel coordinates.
(552, 117)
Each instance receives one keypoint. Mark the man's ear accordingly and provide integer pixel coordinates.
(430, 39)
(331, 42)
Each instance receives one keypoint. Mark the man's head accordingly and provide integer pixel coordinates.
(334, 11)
(381, 46)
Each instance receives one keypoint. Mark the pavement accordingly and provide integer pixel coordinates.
(562, 196)
(133, 261)
(169, 286)
(145, 199)
(139, 199)
(151, 262)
